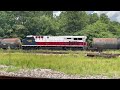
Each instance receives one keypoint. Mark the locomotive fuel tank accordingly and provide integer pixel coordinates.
(105, 43)
(13, 43)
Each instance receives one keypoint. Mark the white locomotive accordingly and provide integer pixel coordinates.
(57, 42)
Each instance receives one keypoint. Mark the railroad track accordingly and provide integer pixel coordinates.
(54, 52)
(50, 52)
(46, 52)
(18, 77)
(102, 55)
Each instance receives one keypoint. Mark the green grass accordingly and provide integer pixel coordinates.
(70, 64)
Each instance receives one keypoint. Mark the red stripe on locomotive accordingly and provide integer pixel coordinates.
(62, 43)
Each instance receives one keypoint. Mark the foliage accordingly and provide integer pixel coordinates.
(96, 30)
(22, 23)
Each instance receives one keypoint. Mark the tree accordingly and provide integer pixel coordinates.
(22, 23)
(47, 26)
(93, 18)
(1, 32)
(114, 28)
(72, 21)
(104, 18)
(96, 30)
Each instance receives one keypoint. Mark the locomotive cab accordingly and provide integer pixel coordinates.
(28, 41)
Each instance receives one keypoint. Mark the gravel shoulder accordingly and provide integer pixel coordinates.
(46, 73)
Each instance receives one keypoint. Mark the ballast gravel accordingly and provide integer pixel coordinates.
(46, 73)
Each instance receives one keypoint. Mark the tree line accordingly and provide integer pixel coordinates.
(22, 23)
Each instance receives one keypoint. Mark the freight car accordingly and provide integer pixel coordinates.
(54, 42)
(106, 43)
(13, 43)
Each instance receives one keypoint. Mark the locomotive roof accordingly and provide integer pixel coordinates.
(54, 36)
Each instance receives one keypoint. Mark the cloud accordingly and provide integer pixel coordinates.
(113, 15)
(56, 13)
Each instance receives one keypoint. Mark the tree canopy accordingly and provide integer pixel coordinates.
(22, 23)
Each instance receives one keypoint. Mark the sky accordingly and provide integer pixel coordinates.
(113, 15)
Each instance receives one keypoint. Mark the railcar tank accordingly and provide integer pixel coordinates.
(106, 43)
(13, 43)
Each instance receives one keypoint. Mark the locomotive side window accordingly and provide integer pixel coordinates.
(75, 38)
(68, 38)
(30, 38)
(79, 38)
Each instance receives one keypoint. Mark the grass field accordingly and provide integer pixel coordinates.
(70, 63)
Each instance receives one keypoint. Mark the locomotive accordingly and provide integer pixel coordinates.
(55, 42)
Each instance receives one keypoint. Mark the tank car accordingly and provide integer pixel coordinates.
(106, 43)
(13, 43)
(54, 42)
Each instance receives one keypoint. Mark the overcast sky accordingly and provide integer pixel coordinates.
(113, 15)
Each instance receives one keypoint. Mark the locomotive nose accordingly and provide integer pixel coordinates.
(28, 41)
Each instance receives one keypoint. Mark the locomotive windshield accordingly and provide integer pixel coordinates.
(28, 41)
